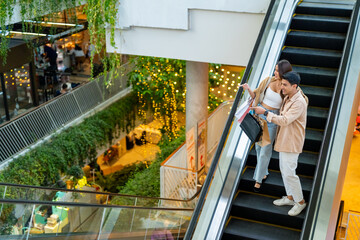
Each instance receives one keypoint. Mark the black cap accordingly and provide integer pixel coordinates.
(292, 77)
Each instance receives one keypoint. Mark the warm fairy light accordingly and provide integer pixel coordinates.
(228, 72)
(217, 66)
(229, 88)
(224, 94)
(223, 85)
(219, 92)
(231, 96)
(235, 90)
(211, 70)
(222, 69)
(233, 75)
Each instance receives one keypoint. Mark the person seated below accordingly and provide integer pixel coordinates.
(64, 89)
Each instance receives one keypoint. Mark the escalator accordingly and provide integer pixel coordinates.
(31, 212)
(314, 45)
(317, 37)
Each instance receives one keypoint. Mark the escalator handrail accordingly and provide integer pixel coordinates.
(210, 175)
(77, 204)
(101, 193)
(323, 161)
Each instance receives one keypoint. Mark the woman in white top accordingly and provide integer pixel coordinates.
(269, 96)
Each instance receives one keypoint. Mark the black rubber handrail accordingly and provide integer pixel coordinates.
(76, 204)
(92, 192)
(323, 161)
(225, 133)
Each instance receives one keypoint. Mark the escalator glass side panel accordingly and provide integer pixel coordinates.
(236, 146)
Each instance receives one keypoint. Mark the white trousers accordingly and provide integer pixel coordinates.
(288, 165)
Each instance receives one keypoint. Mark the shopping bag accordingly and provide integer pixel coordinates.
(243, 110)
(252, 127)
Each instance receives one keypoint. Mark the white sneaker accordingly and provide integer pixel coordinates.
(283, 201)
(296, 209)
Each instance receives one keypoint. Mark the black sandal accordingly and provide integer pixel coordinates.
(255, 189)
(264, 179)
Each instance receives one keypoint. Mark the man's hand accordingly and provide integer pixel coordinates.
(258, 110)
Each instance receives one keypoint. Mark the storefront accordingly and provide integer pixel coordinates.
(26, 79)
(17, 88)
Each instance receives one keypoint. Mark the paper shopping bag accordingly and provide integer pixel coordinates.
(243, 110)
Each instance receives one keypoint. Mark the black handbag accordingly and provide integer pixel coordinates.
(252, 127)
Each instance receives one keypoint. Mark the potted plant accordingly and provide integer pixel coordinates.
(75, 172)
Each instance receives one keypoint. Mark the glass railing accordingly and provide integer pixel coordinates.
(21, 219)
(45, 194)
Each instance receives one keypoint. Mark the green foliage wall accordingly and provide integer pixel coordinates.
(43, 165)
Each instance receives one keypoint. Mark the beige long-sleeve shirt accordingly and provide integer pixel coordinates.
(292, 122)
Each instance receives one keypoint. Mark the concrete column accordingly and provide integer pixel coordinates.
(197, 80)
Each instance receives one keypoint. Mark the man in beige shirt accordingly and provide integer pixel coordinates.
(290, 139)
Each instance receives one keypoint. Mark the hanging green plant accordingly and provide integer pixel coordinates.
(160, 86)
(101, 15)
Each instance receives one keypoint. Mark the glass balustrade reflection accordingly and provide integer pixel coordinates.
(35, 194)
(22, 221)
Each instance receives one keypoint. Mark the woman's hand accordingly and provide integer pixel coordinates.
(245, 86)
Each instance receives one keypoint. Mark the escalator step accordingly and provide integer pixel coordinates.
(317, 117)
(321, 77)
(313, 140)
(273, 186)
(318, 97)
(320, 23)
(261, 208)
(242, 229)
(306, 163)
(331, 41)
(339, 10)
(312, 57)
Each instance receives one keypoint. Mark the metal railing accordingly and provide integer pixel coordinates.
(44, 120)
(353, 226)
